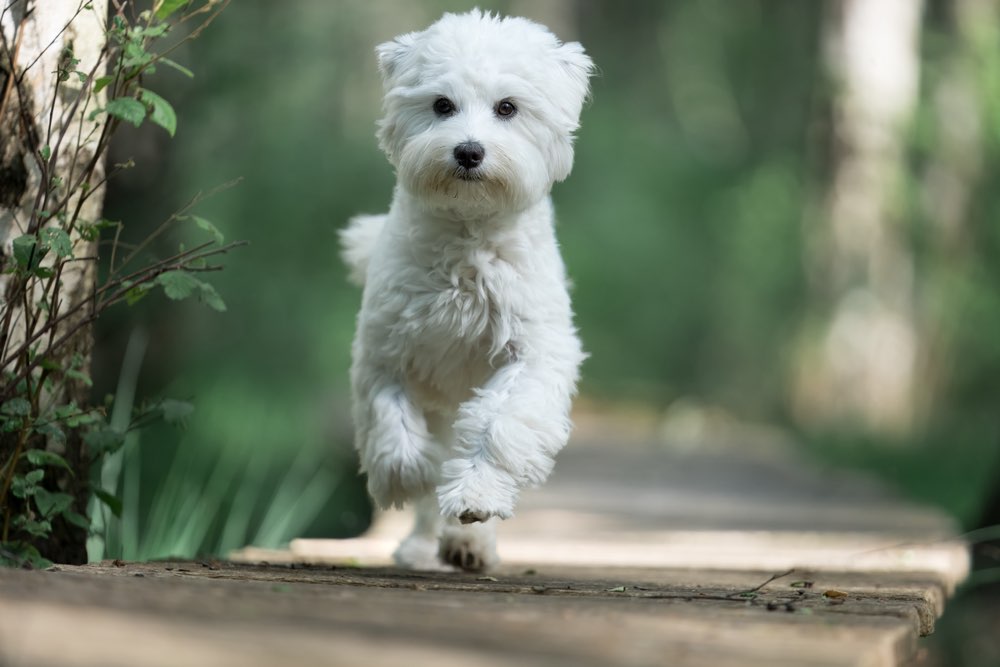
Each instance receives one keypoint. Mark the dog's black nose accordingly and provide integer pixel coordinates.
(470, 154)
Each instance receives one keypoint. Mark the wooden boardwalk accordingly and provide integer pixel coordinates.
(636, 555)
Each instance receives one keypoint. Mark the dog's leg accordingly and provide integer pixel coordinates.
(420, 550)
(397, 451)
(471, 547)
(506, 437)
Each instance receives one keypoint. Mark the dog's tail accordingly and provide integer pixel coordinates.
(357, 241)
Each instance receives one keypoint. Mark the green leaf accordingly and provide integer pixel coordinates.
(51, 431)
(181, 285)
(32, 527)
(160, 111)
(41, 457)
(135, 54)
(102, 82)
(74, 420)
(209, 227)
(64, 411)
(164, 8)
(17, 406)
(26, 485)
(21, 554)
(90, 231)
(177, 66)
(128, 109)
(45, 152)
(103, 440)
(76, 519)
(176, 412)
(57, 239)
(155, 30)
(80, 376)
(50, 364)
(178, 284)
(50, 504)
(27, 254)
(113, 502)
(135, 294)
(210, 297)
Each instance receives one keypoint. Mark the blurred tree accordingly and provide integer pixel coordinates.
(861, 355)
(958, 200)
(953, 142)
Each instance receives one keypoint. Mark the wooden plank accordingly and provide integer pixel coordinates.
(945, 560)
(239, 614)
(632, 555)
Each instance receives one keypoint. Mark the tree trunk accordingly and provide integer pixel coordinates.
(860, 357)
(39, 115)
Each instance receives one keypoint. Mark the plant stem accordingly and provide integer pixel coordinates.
(179, 262)
(9, 477)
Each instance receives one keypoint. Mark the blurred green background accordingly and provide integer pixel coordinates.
(699, 226)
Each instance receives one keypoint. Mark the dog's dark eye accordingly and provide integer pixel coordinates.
(506, 109)
(443, 106)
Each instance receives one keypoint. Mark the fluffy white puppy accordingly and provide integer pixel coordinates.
(466, 358)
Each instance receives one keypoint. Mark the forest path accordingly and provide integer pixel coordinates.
(633, 554)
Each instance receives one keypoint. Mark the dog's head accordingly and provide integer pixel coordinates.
(479, 111)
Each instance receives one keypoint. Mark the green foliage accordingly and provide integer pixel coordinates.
(207, 226)
(164, 8)
(176, 412)
(127, 109)
(160, 111)
(48, 443)
(179, 285)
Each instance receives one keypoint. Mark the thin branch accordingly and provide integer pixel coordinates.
(64, 122)
(179, 262)
(197, 31)
(750, 592)
(197, 199)
(114, 247)
(41, 53)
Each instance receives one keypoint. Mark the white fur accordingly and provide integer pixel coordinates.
(466, 358)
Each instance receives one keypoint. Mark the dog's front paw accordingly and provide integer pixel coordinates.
(419, 552)
(474, 491)
(397, 451)
(472, 516)
(471, 548)
(394, 480)
(510, 436)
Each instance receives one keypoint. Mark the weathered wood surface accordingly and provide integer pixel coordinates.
(604, 566)
(220, 614)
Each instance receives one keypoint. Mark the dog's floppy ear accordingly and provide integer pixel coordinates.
(578, 66)
(574, 87)
(393, 54)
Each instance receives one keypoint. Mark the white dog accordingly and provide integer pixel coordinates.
(466, 358)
